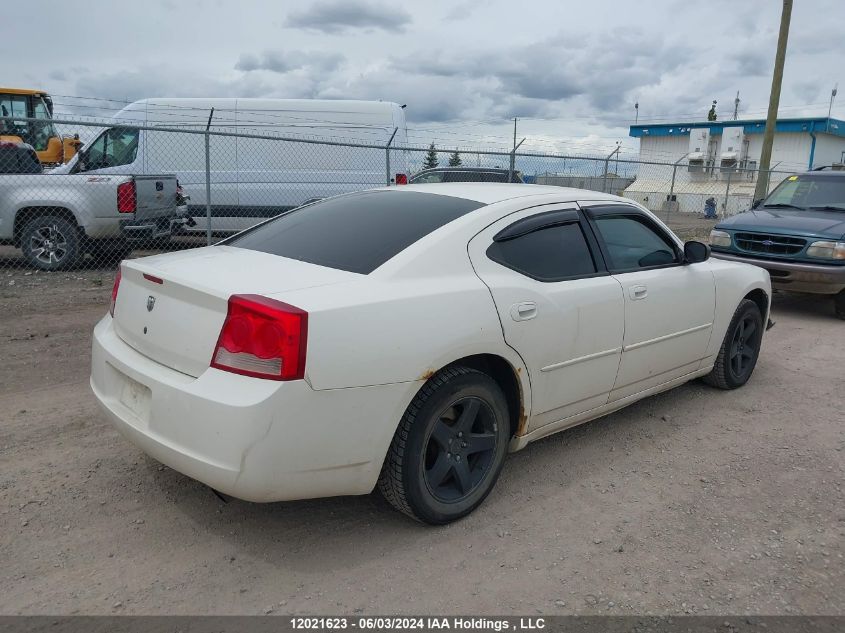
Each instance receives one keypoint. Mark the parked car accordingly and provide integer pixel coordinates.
(797, 234)
(465, 174)
(409, 337)
(18, 158)
(251, 178)
(54, 218)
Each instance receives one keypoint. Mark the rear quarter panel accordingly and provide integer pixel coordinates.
(419, 312)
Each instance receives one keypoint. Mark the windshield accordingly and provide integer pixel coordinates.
(809, 191)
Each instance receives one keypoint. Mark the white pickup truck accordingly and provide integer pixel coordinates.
(55, 218)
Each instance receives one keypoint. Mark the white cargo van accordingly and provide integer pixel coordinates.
(252, 179)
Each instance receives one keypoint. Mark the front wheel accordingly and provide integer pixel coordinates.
(50, 242)
(449, 448)
(740, 349)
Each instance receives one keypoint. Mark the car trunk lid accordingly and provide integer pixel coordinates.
(171, 307)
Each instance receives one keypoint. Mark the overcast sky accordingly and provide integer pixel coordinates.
(571, 71)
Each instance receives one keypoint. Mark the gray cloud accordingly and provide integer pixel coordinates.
(336, 16)
(278, 61)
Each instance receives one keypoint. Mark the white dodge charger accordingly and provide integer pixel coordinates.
(409, 338)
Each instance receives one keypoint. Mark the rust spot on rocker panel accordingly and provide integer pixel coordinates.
(523, 421)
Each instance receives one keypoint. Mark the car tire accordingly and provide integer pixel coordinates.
(839, 304)
(449, 448)
(740, 348)
(50, 242)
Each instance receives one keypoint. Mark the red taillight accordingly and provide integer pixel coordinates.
(153, 278)
(401, 179)
(263, 338)
(114, 290)
(126, 197)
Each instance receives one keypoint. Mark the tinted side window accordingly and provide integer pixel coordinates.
(554, 253)
(356, 232)
(632, 244)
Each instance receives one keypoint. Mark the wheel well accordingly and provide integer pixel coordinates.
(503, 373)
(762, 300)
(27, 213)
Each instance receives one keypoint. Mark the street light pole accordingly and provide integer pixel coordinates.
(774, 99)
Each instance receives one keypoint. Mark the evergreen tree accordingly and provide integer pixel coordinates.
(431, 158)
(455, 159)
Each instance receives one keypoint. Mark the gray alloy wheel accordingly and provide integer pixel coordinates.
(50, 242)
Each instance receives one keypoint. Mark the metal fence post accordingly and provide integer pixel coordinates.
(387, 156)
(512, 167)
(672, 188)
(727, 193)
(207, 188)
(604, 178)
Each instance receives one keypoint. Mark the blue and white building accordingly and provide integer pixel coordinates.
(720, 159)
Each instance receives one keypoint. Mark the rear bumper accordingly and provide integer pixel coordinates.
(797, 276)
(257, 440)
(151, 228)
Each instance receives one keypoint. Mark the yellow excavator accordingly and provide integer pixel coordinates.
(20, 104)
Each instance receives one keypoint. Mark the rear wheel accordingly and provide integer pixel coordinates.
(839, 304)
(50, 242)
(449, 448)
(740, 349)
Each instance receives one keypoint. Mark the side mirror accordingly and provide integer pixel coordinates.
(756, 203)
(696, 252)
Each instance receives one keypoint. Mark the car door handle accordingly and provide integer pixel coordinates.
(523, 311)
(637, 292)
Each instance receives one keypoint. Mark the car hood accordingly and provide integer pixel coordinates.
(808, 223)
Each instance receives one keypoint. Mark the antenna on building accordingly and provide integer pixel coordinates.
(736, 105)
(636, 111)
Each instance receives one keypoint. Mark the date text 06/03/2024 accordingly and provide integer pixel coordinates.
(399, 623)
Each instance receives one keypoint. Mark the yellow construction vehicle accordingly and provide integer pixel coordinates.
(21, 104)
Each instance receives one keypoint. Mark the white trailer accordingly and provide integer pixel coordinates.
(252, 178)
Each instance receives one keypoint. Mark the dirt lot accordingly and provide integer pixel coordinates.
(695, 501)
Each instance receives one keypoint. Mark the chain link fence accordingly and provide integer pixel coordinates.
(134, 190)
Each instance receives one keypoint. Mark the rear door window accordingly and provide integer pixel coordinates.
(550, 253)
(357, 232)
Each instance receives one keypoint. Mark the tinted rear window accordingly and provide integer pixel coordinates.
(357, 232)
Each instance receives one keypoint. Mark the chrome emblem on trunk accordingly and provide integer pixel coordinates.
(151, 303)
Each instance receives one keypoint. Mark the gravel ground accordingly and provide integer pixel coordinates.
(694, 501)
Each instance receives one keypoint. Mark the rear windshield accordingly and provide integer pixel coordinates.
(808, 191)
(356, 232)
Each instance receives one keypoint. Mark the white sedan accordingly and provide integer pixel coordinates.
(408, 338)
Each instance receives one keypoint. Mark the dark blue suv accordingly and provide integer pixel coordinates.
(797, 233)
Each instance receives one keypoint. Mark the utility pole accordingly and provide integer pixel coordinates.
(636, 112)
(774, 99)
(736, 105)
(832, 97)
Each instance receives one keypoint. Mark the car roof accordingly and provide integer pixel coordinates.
(825, 173)
(462, 168)
(491, 192)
